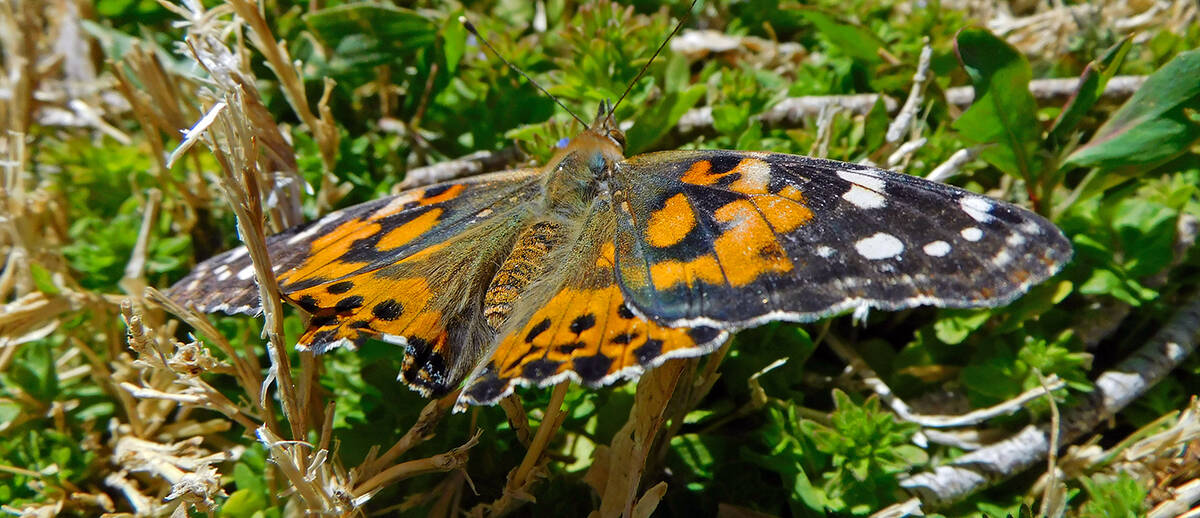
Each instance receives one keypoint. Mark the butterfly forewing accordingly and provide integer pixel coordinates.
(735, 238)
(408, 269)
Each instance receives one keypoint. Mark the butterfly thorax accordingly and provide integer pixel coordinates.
(572, 182)
(578, 174)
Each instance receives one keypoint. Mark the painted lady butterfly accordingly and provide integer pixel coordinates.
(597, 267)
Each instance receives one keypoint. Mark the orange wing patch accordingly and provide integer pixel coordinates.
(668, 273)
(670, 224)
(370, 305)
(587, 334)
(749, 246)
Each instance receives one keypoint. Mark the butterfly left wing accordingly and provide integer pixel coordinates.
(411, 269)
(734, 239)
(574, 322)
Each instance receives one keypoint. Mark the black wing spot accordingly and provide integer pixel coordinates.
(624, 338)
(592, 368)
(436, 190)
(570, 348)
(648, 352)
(322, 340)
(308, 303)
(583, 323)
(722, 164)
(624, 312)
(703, 335)
(323, 321)
(538, 370)
(488, 387)
(348, 304)
(538, 329)
(339, 288)
(389, 309)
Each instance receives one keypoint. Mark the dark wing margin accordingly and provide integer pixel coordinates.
(735, 239)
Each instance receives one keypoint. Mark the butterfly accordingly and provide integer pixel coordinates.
(597, 267)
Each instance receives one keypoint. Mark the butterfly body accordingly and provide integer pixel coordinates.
(597, 267)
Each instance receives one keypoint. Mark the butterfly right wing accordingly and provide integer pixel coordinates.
(733, 239)
(411, 269)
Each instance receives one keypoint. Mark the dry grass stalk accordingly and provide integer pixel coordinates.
(322, 128)
(533, 465)
(617, 469)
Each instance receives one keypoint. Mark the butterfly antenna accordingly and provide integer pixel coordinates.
(471, 27)
(660, 48)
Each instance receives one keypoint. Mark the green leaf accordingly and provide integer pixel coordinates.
(1091, 85)
(34, 372)
(1147, 233)
(659, 120)
(1153, 126)
(876, 125)
(855, 40)
(728, 118)
(243, 503)
(1004, 111)
(454, 41)
(959, 325)
(1119, 497)
(43, 279)
(368, 34)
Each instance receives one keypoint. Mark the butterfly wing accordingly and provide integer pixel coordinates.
(574, 322)
(733, 238)
(411, 269)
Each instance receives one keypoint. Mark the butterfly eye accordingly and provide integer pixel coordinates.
(617, 137)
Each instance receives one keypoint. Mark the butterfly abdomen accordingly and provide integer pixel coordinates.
(523, 265)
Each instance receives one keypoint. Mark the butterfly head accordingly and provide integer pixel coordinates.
(605, 124)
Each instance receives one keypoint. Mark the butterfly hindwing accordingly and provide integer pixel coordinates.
(574, 322)
(735, 238)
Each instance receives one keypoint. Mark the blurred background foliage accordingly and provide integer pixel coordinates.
(412, 88)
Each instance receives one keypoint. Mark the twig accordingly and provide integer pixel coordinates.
(872, 380)
(1186, 496)
(1114, 390)
(903, 120)
(1053, 501)
(952, 165)
(523, 476)
(420, 431)
(470, 165)
(517, 418)
(793, 110)
(451, 460)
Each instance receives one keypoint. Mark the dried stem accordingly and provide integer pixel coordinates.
(872, 380)
(1114, 390)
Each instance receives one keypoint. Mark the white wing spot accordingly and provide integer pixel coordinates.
(246, 273)
(825, 252)
(236, 254)
(1002, 258)
(1030, 227)
(879, 246)
(972, 234)
(223, 272)
(978, 207)
(1015, 239)
(936, 248)
(866, 191)
(314, 229)
(755, 173)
